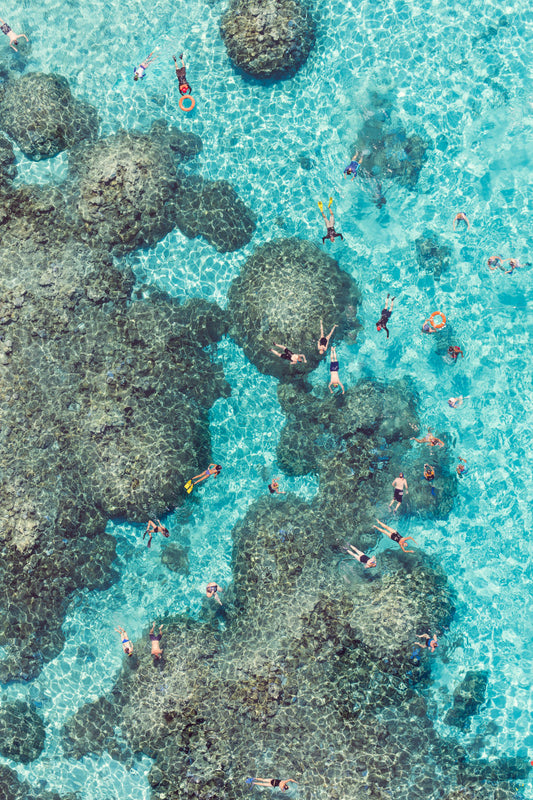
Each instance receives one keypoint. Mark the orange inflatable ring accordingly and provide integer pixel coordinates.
(440, 324)
(187, 97)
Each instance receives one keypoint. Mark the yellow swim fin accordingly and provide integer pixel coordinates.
(320, 205)
(189, 486)
(330, 202)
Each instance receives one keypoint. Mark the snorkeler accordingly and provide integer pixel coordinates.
(334, 371)
(456, 402)
(155, 527)
(288, 355)
(393, 535)
(461, 217)
(270, 782)
(400, 486)
(429, 472)
(461, 467)
(184, 87)
(454, 351)
(430, 641)
(429, 439)
(360, 556)
(213, 469)
(212, 589)
(353, 166)
(140, 71)
(385, 315)
(273, 487)
(514, 263)
(155, 639)
(13, 37)
(495, 262)
(126, 644)
(323, 342)
(330, 223)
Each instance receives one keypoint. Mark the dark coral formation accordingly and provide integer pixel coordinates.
(468, 697)
(8, 169)
(176, 558)
(283, 291)
(212, 209)
(432, 255)
(268, 38)
(308, 651)
(22, 732)
(41, 115)
(357, 445)
(389, 153)
(92, 387)
(12, 788)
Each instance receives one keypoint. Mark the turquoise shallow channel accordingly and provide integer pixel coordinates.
(345, 715)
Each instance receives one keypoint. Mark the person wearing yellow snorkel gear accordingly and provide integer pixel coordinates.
(330, 223)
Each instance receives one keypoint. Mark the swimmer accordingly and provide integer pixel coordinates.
(126, 644)
(184, 87)
(385, 315)
(495, 262)
(212, 589)
(323, 342)
(270, 782)
(330, 223)
(213, 469)
(430, 641)
(456, 402)
(140, 71)
(334, 371)
(429, 439)
(514, 263)
(429, 472)
(461, 217)
(273, 487)
(393, 535)
(13, 37)
(360, 556)
(454, 351)
(288, 355)
(155, 639)
(428, 327)
(155, 527)
(461, 468)
(399, 485)
(353, 166)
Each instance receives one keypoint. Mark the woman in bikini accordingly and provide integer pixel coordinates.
(140, 71)
(334, 371)
(13, 37)
(393, 535)
(323, 342)
(213, 469)
(360, 556)
(429, 439)
(155, 527)
(271, 782)
(126, 644)
(288, 355)
(429, 641)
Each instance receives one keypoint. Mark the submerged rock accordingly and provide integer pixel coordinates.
(468, 697)
(283, 291)
(8, 170)
(431, 255)
(268, 38)
(41, 115)
(22, 732)
(12, 788)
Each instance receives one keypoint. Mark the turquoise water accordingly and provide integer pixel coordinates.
(458, 76)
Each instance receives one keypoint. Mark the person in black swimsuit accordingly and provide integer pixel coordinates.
(330, 223)
(184, 87)
(155, 527)
(288, 355)
(360, 556)
(385, 315)
(271, 782)
(323, 342)
(13, 37)
(393, 535)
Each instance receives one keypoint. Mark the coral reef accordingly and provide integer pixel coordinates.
(307, 650)
(104, 414)
(12, 788)
(8, 169)
(212, 209)
(283, 291)
(431, 255)
(468, 697)
(268, 38)
(40, 114)
(176, 558)
(22, 732)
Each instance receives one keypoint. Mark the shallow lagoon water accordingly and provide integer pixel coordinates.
(458, 76)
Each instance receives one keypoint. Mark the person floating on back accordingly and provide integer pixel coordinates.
(140, 71)
(213, 469)
(270, 782)
(13, 37)
(334, 371)
(385, 315)
(330, 223)
(353, 166)
(393, 535)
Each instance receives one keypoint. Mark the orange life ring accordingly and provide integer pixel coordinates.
(440, 324)
(187, 97)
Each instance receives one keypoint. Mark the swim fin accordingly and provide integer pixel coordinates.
(189, 487)
(330, 202)
(320, 205)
